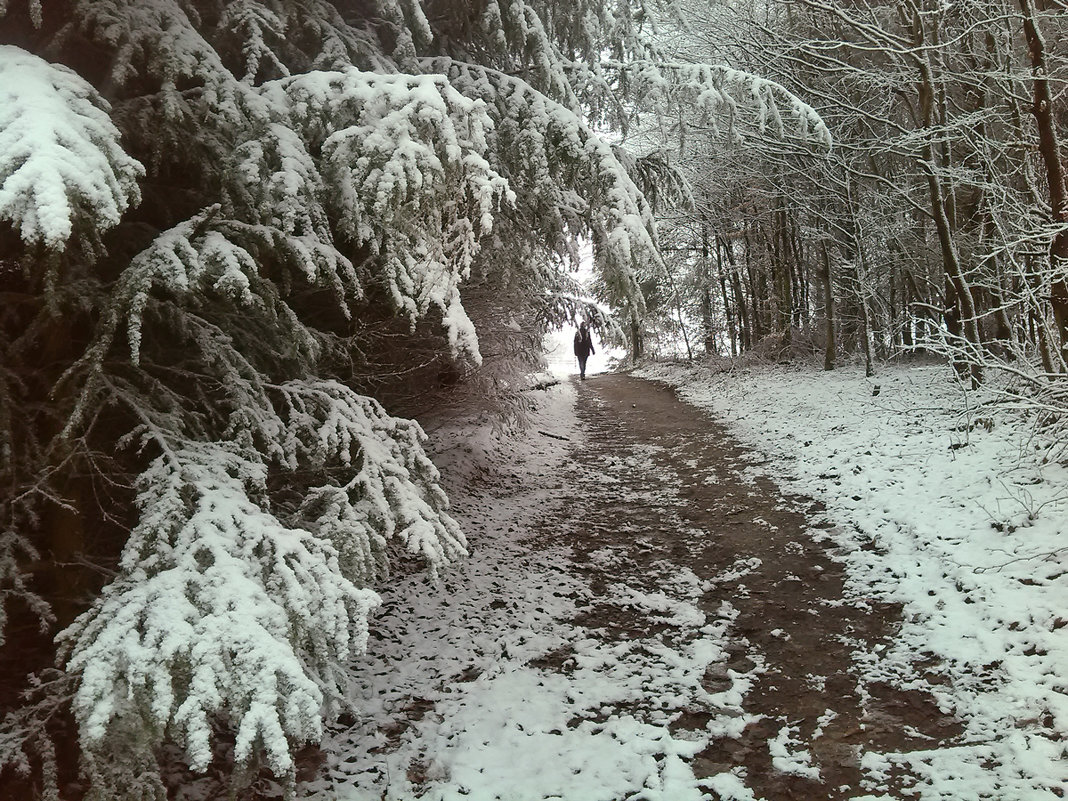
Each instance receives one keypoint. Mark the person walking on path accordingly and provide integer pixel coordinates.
(583, 348)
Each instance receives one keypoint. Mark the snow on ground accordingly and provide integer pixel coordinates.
(938, 500)
(472, 691)
(944, 502)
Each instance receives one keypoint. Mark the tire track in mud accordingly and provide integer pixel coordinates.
(659, 495)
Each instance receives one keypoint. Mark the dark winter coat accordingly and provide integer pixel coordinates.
(583, 343)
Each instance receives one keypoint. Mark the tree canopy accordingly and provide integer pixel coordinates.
(937, 223)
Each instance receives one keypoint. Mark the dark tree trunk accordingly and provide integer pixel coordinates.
(936, 155)
(728, 313)
(636, 349)
(744, 329)
(756, 322)
(828, 311)
(707, 327)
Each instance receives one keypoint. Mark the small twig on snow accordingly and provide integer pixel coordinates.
(554, 436)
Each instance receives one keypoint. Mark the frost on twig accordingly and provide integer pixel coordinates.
(14, 583)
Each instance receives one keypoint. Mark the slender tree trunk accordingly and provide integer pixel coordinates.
(1049, 149)
(828, 311)
(678, 312)
(1034, 323)
(774, 294)
(865, 317)
(918, 313)
(706, 293)
(744, 329)
(933, 110)
(785, 281)
(756, 320)
(893, 316)
(728, 313)
(962, 292)
(860, 277)
(707, 330)
(907, 299)
(867, 335)
(800, 291)
(635, 337)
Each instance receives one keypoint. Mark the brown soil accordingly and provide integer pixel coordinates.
(794, 614)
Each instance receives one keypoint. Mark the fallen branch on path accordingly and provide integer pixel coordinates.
(554, 436)
(551, 382)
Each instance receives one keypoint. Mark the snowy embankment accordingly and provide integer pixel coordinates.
(946, 503)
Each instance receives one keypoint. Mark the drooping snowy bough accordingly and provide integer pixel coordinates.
(63, 171)
(224, 606)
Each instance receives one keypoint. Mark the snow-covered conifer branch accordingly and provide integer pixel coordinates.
(208, 257)
(190, 259)
(258, 28)
(272, 180)
(16, 549)
(159, 38)
(223, 608)
(660, 182)
(403, 159)
(24, 731)
(187, 277)
(715, 90)
(552, 158)
(328, 42)
(556, 48)
(408, 26)
(219, 609)
(274, 199)
(394, 492)
(522, 30)
(63, 171)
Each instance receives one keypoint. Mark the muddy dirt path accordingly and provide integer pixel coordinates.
(661, 488)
